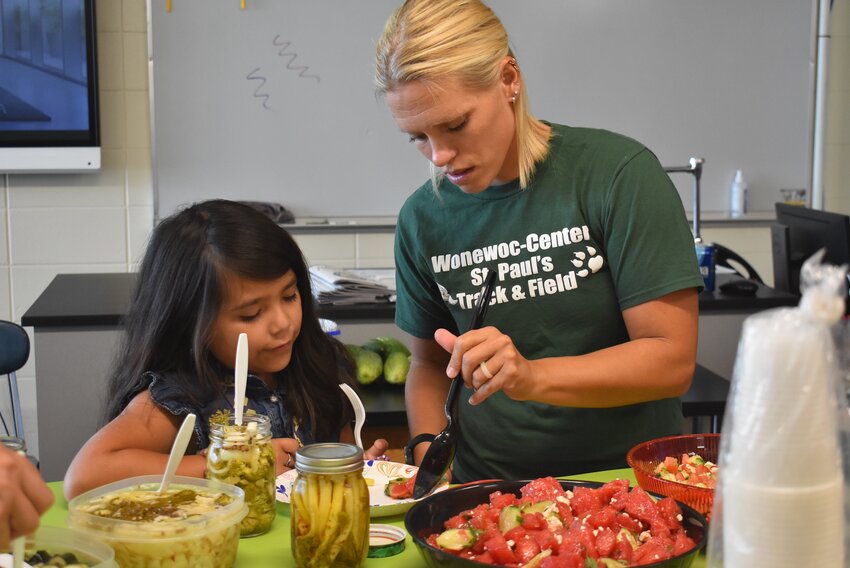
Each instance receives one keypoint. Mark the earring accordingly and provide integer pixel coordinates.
(513, 98)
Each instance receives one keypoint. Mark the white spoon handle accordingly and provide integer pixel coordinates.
(18, 552)
(359, 412)
(178, 448)
(240, 377)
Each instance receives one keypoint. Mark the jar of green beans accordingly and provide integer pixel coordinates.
(329, 507)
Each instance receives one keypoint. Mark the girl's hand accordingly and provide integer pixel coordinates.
(488, 361)
(377, 451)
(23, 497)
(284, 452)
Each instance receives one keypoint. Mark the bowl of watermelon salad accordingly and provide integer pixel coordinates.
(551, 523)
(681, 467)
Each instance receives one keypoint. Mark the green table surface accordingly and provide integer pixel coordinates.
(272, 549)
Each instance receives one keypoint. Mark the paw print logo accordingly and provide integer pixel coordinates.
(587, 263)
(446, 296)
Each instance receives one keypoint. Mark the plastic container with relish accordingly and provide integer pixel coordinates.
(195, 522)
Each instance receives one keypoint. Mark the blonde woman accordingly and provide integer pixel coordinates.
(592, 333)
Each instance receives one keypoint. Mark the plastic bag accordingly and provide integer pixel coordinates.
(782, 494)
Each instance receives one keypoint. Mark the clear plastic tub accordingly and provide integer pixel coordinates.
(58, 540)
(208, 537)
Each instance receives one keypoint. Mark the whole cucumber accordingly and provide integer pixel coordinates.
(396, 367)
(385, 345)
(369, 364)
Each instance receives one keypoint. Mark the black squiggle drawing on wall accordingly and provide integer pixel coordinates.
(264, 97)
(302, 70)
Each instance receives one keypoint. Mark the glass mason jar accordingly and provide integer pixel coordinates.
(13, 443)
(329, 507)
(243, 456)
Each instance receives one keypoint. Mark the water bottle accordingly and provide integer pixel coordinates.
(738, 195)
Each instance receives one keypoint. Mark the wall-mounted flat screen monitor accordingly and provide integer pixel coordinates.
(799, 233)
(49, 120)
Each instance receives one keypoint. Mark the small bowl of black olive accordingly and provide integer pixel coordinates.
(56, 547)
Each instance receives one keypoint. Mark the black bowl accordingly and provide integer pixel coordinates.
(428, 515)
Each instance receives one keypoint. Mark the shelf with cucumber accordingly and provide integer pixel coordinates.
(385, 357)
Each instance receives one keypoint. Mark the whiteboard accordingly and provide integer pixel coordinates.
(276, 102)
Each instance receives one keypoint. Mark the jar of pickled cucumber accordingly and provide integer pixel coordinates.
(329, 507)
(243, 456)
(14, 443)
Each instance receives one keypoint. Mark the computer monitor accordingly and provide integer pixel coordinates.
(799, 233)
(49, 114)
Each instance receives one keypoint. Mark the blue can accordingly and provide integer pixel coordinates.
(705, 259)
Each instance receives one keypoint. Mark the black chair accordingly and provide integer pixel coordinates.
(14, 353)
(730, 259)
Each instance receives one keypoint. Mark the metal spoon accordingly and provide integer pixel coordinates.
(442, 450)
(178, 448)
(359, 412)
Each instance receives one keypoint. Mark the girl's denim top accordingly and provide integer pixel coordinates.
(168, 395)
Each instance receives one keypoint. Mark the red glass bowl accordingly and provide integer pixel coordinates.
(645, 457)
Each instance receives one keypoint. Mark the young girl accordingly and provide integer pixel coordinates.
(211, 272)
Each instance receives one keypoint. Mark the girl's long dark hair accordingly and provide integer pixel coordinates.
(178, 294)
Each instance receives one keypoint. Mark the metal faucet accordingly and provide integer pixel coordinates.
(694, 168)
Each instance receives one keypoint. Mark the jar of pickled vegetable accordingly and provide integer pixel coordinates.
(329, 507)
(13, 443)
(243, 456)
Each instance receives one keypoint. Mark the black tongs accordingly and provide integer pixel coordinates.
(442, 450)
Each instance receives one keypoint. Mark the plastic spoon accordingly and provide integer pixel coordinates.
(359, 412)
(178, 448)
(15, 559)
(18, 552)
(7, 559)
(240, 377)
(442, 450)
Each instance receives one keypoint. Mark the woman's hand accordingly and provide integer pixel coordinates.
(377, 451)
(284, 453)
(488, 361)
(23, 497)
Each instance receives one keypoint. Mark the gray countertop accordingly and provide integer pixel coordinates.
(102, 300)
(381, 224)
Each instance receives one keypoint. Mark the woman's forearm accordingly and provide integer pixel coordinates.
(658, 362)
(637, 371)
(425, 394)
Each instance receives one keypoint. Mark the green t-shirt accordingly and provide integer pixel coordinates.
(601, 229)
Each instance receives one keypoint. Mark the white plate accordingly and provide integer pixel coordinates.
(380, 472)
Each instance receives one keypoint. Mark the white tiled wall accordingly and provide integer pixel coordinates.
(52, 224)
(100, 222)
(350, 250)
